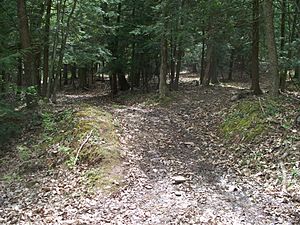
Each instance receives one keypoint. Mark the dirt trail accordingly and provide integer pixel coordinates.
(180, 140)
(158, 143)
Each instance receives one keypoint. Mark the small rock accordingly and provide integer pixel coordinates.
(177, 193)
(148, 187)
(235, 98)
(132, 207)
(179, 179)
(297, 120)
(189, 143)
(233, 188)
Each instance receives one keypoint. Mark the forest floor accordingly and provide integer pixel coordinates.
(176, 167)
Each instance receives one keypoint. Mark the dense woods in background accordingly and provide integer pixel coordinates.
(48, 44)
(149, 111)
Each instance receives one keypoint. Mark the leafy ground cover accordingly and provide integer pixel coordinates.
(264, 136)
(115, 161)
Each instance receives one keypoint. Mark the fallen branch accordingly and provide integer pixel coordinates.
(262, 109)
(81, 146)
(284, 177)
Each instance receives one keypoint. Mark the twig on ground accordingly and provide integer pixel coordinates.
(284, 177)
(261, 106)
(81, 146)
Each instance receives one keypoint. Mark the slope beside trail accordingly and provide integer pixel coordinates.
(182, 140)
(158, 143)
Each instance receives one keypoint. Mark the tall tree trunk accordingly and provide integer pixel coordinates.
(173, 54)
(62, 51)
(20, 72)
(230, 73)
(25, 43)
(283, 72)
(35, 27)
(46, 48)
(65, 74)
(73, 74)
(202, 73)
(163, 68)
(122, 81)
(297, 68)
(179, 55)
(37, 73)
(82, 73)
(214, 70)
(255, 49)
(52, 80)
(180, 51)
(271, 44)
(209, 65)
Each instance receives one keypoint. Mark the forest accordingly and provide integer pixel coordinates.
(150, 112)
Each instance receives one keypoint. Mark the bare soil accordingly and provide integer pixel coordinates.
(158, 144)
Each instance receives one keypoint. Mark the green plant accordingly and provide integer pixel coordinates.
(23, 152)
(295, 172)
(11, 177)
(248, 119)
(11, 122)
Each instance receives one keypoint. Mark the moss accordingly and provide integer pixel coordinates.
(248, 119)
(64, 132)
(103, 142)
(106, 178)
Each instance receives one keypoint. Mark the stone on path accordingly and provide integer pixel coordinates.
(177, 193)
(179, 179)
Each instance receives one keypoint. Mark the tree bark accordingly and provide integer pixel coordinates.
(62, 50)
(202, 73)
(46, 48)
(66, 74)
(297, 68)
(163, 68)
(173, 54)
(255, 49)
(230, 73)
(20, 72)
(271, 45)
(210, 69)
(25, 43)
(283, 72)
(179, 55)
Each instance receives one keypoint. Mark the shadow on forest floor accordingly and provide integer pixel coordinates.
(222, 181)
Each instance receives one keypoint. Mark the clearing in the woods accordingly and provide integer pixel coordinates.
(196, 158)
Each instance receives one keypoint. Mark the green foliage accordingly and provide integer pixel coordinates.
(11, 177)
(106, 178)
(24, 153)
(148, 99)
(65, 132)
(11, 122)
(53, 122)
(249, 119)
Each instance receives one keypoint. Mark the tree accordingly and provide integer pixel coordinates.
(163, 55)
(25, 44)
(271, 45)
(255, 49)
(46, 48)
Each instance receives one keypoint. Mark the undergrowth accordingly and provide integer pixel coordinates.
(11, 122)
(67, 138)
(85, 136)
(250, 119)
(264, 138)
(148, 99)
